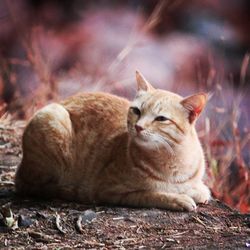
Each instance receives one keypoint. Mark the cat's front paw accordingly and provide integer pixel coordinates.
(184, 203)
(200, 194)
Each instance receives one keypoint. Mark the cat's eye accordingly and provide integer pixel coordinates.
(161, 118)
(136, 111)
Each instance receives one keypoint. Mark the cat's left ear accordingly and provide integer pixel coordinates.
(194, 104)
(142, 83)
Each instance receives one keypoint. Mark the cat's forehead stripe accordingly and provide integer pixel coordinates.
(155, 105)
(158, 107)
(150, 102)
(145, 101)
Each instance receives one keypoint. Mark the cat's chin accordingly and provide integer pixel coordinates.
(143, 142)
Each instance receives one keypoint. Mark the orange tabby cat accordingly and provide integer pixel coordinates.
(100, 148)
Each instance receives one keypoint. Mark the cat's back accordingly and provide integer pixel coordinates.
(97, 112)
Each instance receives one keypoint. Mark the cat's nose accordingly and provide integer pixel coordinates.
(138, 128)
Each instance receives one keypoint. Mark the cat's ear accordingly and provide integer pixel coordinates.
(142, 83)
(194, 104)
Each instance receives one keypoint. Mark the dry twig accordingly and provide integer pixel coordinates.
(58, 224)
(79, 224)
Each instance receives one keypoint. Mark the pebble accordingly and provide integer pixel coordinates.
(88, 216)
(24, 221)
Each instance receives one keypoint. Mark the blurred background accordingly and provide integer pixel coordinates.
(50, 49)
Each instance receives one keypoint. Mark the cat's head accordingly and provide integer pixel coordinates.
(159, 118)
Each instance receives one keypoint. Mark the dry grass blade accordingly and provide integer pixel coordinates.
(34, 56)
(118, 218)
(133, 40)
(197, 219)
(244, 67)
(154, 18)
(40, 237)
(93, 243)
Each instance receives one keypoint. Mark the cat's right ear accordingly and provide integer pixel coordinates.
(195, 104)
(142, 83)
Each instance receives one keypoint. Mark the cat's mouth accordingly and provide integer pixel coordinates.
(140, 138)
(144, 140)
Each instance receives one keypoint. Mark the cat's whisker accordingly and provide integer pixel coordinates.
(156, 146)
(161, 140)
(168, 146)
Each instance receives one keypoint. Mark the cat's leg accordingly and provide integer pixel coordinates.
(199, 192)
(46, 151)
(171, 201)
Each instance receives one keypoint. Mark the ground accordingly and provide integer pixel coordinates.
(58, 225)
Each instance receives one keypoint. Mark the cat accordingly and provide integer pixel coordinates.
(99, 148)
